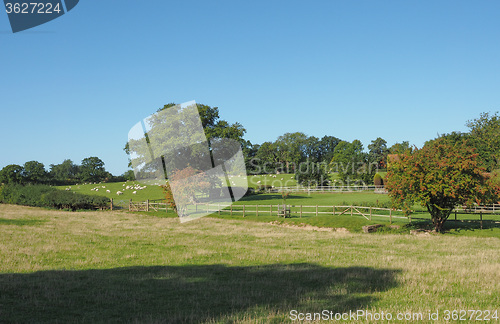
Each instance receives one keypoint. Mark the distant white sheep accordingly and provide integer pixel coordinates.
(108, 191)
(134, 192)
(119, 193)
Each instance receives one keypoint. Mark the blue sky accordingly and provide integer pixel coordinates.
(400, 70)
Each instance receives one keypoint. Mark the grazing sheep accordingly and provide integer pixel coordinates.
(258, 181)
(108, 191)
(134, 192)
(119, 193)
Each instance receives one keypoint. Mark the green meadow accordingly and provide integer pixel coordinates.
(465, 224)
(116, 266)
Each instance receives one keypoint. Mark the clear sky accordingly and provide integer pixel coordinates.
(400, 70)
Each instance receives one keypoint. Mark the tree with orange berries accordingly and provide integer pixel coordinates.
(440, 176)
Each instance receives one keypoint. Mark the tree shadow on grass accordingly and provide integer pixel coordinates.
(173, 294)
(456, 225)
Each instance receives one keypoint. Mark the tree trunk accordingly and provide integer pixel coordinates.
(438, 216)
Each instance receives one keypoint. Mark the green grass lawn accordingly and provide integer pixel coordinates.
(101, 267)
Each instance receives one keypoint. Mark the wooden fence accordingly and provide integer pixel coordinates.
(304, 210)
(476, 209)
(376, 189)
(281, 210)
(275, 210)
(148, 205)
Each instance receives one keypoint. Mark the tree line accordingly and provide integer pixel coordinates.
(91, 169)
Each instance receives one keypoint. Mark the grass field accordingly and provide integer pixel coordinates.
(100, 267)
(491, 224)
(155, 192)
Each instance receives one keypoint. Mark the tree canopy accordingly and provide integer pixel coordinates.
(352, 164)
(440, 176)
(484, 135)
(92, 169)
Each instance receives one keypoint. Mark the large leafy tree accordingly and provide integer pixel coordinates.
(327, 146)
(92, 169)
(291, 150)
(34, 172)
(484, 135)
(11, 173)
(266, 158)
(378, 152)
(440, 176)
(400, 148)
(351, 163)
(214, 127)
(66, 172)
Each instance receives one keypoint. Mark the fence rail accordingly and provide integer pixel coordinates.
(377, 189)
(282, 210)
(476, 209)
(148, 205)
(316, 210)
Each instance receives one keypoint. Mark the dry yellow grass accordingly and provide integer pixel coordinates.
(393, 273)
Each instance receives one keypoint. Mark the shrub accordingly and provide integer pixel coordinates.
(46, 196)
(264, 188)
(377, 180)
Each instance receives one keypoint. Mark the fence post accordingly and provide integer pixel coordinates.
(111, 204)
(316, 210)
(390, 216)
(257, 210)
(351, 210)
(370, 213)
(243, 210)
(300, 211)
(231, 209)
(481, 218)
(455, 214)
(271, 210)
(333, 210)
(130, 205)
(147, 205)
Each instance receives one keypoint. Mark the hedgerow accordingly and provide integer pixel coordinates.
(47, 196)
